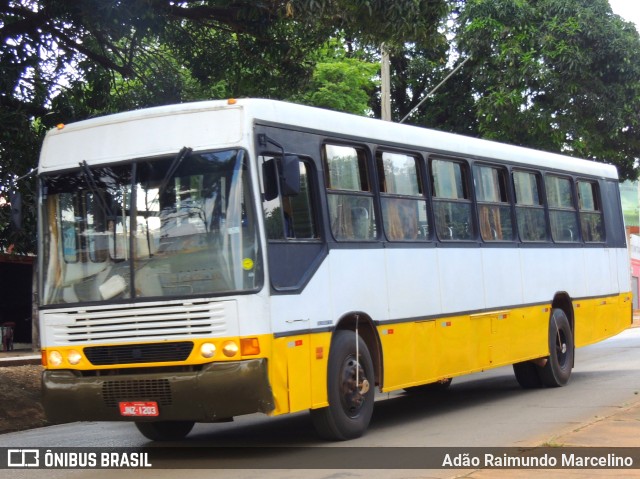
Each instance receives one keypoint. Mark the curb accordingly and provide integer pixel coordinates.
(20, 360)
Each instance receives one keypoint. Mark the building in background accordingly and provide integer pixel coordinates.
(630, 194)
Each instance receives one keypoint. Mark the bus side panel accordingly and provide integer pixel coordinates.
(426, 351)
(319, 362)
(405, 347)
(600, 318)
(279, 376)
(297, 350)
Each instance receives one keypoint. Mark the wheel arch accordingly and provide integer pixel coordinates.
(563, 301)
(369, 334)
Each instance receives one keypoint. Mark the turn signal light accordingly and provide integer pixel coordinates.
(249, 346)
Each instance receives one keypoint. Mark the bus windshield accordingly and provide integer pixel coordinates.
(155, 227)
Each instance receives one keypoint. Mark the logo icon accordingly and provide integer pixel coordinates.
(23, 458)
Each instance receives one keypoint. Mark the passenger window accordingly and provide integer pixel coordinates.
(292, 217)
(346, 168)
(591, 222)
(562, 212)
(351, 211)
(451, 200)
(404, 209)
(532, 225)
(494, 209)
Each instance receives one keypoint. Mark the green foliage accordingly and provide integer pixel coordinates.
(343, 85)
(559, 75)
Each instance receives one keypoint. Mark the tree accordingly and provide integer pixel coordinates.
(558, 75)
(63, 61)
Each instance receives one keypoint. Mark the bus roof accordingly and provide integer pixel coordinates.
(160, 130)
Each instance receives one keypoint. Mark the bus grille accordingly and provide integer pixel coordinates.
(143, 322)
(138, 353)
(158, 390)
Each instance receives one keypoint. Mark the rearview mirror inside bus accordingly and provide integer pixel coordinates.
(287, 170)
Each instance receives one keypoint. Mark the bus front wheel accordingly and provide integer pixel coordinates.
(350, 389)
(165, 430)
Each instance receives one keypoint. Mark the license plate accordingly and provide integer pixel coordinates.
(139, 408)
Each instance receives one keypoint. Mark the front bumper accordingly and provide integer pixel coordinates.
(217, 391)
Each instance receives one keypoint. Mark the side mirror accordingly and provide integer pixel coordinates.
(270, 179)
(15, 199)
(290, 178)
(281, 175)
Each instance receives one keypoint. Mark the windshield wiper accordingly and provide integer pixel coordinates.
(182, 154)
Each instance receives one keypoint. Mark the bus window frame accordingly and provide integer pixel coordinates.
(468, 188)
(506, 173)
(371, 192)
(600, 210)
(542, 197)
(560, 209)
(423, 195)
(313, 197)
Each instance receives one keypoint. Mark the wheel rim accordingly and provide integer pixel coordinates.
(562, 351)
(353, 386)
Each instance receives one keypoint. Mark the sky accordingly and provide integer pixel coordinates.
(627, 9)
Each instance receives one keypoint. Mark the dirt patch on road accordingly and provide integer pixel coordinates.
(21, 398)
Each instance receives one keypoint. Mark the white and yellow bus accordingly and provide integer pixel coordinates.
(207, 260)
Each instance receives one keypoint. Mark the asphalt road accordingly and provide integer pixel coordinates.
(485, 409)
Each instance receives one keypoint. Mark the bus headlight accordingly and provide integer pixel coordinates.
(55, 358)
(207, 350)
(74, 357)
(230, 349)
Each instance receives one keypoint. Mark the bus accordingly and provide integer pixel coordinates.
(208, 260)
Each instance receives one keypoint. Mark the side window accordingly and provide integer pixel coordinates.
(562, 212)
(532, 225)
(349, 196)
(292, 216)
(494, 208)
(451, 200)
(404, 208)
(591, 222)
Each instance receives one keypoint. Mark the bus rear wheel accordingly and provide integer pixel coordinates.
(527, 375)
(350, 389)
(557, 368)
(557, 371)
(165, 430)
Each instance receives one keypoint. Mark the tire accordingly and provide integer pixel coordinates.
(442, 385)
(165, 430)
(557, 371)
(528, 375)
(350, 404)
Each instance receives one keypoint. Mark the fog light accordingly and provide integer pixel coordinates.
(230, 349)
(207, 350)
(55, 358)
(74, 357)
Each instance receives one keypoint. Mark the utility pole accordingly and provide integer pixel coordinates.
(385, 87)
